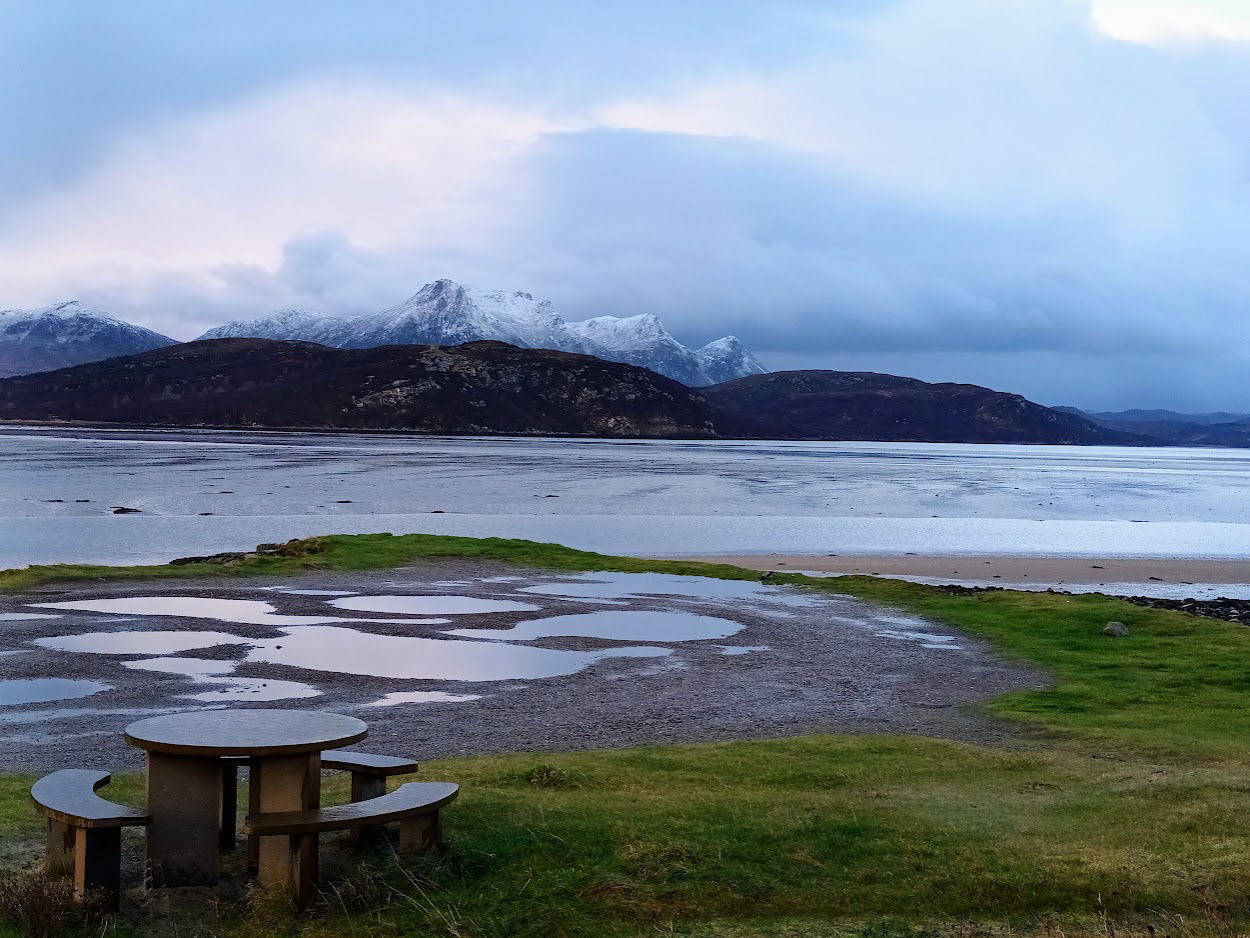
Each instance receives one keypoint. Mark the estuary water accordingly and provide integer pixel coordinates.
(203, 492)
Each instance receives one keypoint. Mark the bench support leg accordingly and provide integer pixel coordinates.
(184, 796)
(98, 862)
(421, 834)
(365, 787)
(289, 863)
(227, 831)
(253, 807)
(60, 848)
(304, 870)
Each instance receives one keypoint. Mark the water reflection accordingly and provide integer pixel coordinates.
(241, 611)
(227, 687)
(138, 643)
(638, 585)
(628, 626)
(44, 689)
(431, 605)
(348, 651)
(421, 696)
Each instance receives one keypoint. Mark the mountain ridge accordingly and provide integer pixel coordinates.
(444, 312)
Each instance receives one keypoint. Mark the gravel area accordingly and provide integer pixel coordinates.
(801, 662)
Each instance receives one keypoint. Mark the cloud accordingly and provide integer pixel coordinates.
(962, 185)
(1168, 21)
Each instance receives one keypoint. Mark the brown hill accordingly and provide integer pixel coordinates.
(480, 387)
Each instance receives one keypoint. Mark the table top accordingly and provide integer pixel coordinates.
(245, 732)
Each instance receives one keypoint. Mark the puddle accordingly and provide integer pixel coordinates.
(240, 611)
(347, 651)
(45, 689)
(25, 616)
(421, 696)
(924, 639)
(294, 592)
(632, 626)
(70, 713)
(431, 605)
(229, 688)
(139, 643)
(742, 649)
(640, 585)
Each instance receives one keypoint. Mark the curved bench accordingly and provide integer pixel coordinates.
(369, 771)
(415, 805)
(84, 830)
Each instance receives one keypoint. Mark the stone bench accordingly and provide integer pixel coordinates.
(84, 830)
(369, 774)
(415, 806)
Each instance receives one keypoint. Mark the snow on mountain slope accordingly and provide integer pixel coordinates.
(726, 359)
(308, 325)
(643, 340)
(33, 340)
(448, 313)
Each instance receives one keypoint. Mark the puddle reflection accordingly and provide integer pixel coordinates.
(347, 651)
(632, 626)
(45, 689)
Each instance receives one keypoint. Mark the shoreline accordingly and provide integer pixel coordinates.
(996, 570)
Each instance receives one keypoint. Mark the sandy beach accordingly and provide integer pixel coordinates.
(1042, 570)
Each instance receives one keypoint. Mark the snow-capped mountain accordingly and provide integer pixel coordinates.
(448, 313)
(33, 340)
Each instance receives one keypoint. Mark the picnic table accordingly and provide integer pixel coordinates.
(185, 752)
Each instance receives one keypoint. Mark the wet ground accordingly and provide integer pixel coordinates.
(461, 657)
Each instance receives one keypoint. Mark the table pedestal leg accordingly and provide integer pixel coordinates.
(289, 783)
(184, 797)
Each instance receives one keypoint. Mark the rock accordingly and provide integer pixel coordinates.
(1115, 630)
(126, 511)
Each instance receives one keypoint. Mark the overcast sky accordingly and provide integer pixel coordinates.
(1044, 196)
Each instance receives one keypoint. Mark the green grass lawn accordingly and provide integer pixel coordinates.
(1124, 806)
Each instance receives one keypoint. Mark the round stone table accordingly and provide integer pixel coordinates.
(185, 753)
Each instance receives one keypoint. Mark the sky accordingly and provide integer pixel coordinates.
(1050, 197)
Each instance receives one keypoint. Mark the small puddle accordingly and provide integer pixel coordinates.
(138, 643)
(632, 626)
(431, 605)
(25, 616)
(240, 611)
(421, 696)
(45, 689)
(742, 649)
(347, 651)
(228, 687)
(294, 592)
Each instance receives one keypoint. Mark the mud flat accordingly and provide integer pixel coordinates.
(451, 658)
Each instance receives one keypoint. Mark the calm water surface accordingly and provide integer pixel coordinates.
(201, 492)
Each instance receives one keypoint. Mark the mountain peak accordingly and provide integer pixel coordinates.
(445, 312)
(69, 333)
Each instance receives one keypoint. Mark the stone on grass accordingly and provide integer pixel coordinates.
(1115, 630)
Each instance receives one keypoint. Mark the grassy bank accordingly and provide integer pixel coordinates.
(1123, 808)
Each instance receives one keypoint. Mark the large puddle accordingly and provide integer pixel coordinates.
(624, 586)
(44, 689)
(138, 643)
(614, 625)
(239, 611)
(348, 651)
(224, 686)
(431, 605)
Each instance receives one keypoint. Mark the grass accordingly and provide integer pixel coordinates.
(1124, 808)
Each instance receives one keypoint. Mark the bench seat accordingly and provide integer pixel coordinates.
(412, 799)
(84, 830)
(415, 806)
